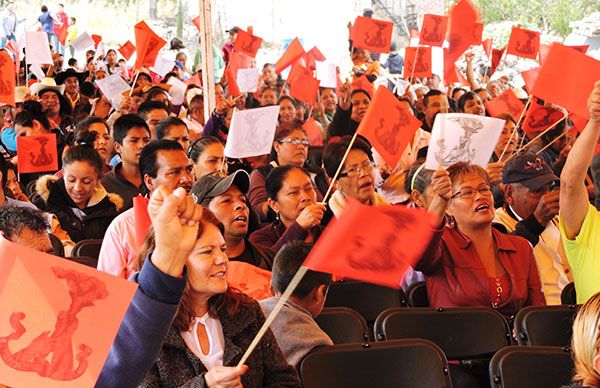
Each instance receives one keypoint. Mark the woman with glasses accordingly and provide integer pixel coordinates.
(357, 177)
(290, 147)
(292, 196)
(469, 263)
(208, 156)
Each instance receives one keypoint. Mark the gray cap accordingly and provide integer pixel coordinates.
(216, 183)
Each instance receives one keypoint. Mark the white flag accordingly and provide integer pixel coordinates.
(461, 137)
(37, 49)
(162, 66)
(36, 70)
(327, 74)
(113, 87)
(82, 42)
(247, 80)
(177, 90)
(251, 132)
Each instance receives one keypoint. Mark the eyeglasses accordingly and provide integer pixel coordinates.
(295, 142)
(469, 192)
(353, 171)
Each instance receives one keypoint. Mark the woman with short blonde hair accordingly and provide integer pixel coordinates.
(586, 344)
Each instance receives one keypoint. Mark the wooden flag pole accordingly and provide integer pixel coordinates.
(514, 131)
(535, 138)
(552, 142)
(412, 71)
(339, 169)
(208, 70)
(282, 299)
(137, 74)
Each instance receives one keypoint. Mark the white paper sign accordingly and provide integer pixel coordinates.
(36, 70)
(461, 137)
(251, 132)
(327, 74)
(99, 51)
(113, 87)
(177, 91)
(37, 49)
(162, 66)
(247, 80)
(82, 42)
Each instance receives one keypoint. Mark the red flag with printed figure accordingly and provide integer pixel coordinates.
(147, 44)
(247, 43)
(293, 52)
(433, 30)
(7, 79)
(374, 244)
(496, 57)
(388, 125)
(422, 66)
(372, 34)
(540, 117)
(127, 50)
(507, 102)
(37, 153)
(524, 43)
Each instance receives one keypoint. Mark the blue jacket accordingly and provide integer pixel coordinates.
(394, 63)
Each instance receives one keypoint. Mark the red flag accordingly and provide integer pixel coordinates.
(524, 43)
(375, 244)
(540, 117)
(7, 79)
(433, 30)
(147, 45)
(58, 318)
(291, 55)
(251, 280)
(487, 47)
(196, 22)
(477, 34)
(142, 219)
(62, 36)
(194, 80)
(313, 132)
(464, 18)
(507, 102)
(37, 153)
(422, 67)
(305, 88)
(311, 57)
(545, 50)
(388, 125)
(296, 72)
(567, 79)
(372, 34)
(451, 72)
(247, 43)
(579, 123)
(14, 49)
(127, 50)
(97, 39)
(232, 86)
(362, 83)
(496, 57)
(530, 77)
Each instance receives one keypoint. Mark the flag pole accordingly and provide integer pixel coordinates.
(514, 131)
(282, 299)
(412, 71)
(137, 74)
(339, 169)
(535, 138)
(552, 142)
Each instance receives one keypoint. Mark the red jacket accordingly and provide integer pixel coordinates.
(455, 276)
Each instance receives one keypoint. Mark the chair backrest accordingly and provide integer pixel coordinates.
(568, 295)
(461, 332)
(90, 248)
(85, 260)
(400, 363)
(545, 325)
(367, 299)
(57, 246)
(416, 295)
(531, 366)
(343, 325)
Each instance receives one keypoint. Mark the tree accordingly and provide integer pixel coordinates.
(179, 32)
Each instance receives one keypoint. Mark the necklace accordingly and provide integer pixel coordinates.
(496, 300)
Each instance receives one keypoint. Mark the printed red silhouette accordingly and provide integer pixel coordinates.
(524, 43)
(247, 43)
(127, 50)
(422, 67)
(7, 79)
(37, 153)
(51, 353)
(507, 102)
(540, 118)
(433, 31)
(372, 34)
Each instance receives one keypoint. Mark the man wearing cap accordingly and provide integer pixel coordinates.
(162, 162)
(531, 211)
(53, 103)
(228, 47)
(224, 195)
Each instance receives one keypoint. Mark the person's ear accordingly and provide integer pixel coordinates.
(149, 182)
(277, 146)
(320, 293)
(508, 194)
(118, 147)
(418, 199)
(273, 205)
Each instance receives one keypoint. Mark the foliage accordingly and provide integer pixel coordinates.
(179, 18)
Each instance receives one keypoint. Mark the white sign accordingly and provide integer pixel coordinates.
(327, 74)
(82, 42)
(247, 80)
(99, 52)
(251, 132)
(37, 49)
(36, 70)
(461, 137)
(177, 90)
(162, 66)
(113, 87)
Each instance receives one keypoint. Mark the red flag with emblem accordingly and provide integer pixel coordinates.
(507, 102)
(372, 34)
(496, 57)
(247, 43)
(540, 117)
(374, 244)
(127, 50)
(524, 43)
(422, 66)
(433, 30)
(148, 44)
(7, 79)
(37, 153)
(388, 125)
(293, 52)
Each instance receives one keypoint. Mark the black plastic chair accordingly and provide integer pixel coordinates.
(400, 363)
(568, 295)
(366, 299)
(545, 325)
(461, 332)
(90, 248)
(416, 295)
(531, 366)
(343, 325)
(85, 260)
(57, 246)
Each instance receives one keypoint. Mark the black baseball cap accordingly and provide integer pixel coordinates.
(233, 30)
(216, 183)
(529, 170)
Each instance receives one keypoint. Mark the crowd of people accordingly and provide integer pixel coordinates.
(512, 233)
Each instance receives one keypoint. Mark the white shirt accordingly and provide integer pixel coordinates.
(216, 342)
